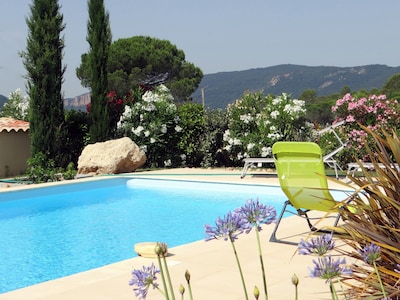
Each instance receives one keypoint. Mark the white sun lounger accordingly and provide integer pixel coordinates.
(250, 161)
(331, 162)
(352, 168)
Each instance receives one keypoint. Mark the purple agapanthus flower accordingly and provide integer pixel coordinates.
(229, 227)
(319, 245)
(143, 279)
(256, 213)
(370, 253)
(328, 268)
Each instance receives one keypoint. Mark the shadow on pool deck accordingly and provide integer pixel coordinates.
(211, 264)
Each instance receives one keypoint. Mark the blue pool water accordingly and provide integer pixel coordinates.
(55, 231)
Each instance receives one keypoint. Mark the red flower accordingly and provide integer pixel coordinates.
(112, 95)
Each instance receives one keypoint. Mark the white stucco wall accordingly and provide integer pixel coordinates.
(14, 153)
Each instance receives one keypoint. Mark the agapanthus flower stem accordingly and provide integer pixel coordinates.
(379, 279)
(187, 277)
(295, 281)
(333, 290)
(190, 291)
(163, 278)
(262, 263)
(343, 290)
(240, 269)
(168, 278)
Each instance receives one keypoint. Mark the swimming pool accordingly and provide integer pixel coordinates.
(60, 230)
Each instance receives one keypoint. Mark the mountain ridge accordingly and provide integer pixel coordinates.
(225, 87)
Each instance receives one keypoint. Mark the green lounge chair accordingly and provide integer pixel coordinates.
(301, 173)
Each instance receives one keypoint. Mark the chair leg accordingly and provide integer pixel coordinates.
(337, 220)
(304, 213)
(273, 237)
(278, 221)
(245, 168)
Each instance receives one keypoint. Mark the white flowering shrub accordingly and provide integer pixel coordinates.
(16, 107)
(256, 122)
(153, 123)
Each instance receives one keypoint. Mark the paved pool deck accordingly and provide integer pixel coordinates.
(212, 265)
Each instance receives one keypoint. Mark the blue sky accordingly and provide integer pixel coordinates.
(220, 35)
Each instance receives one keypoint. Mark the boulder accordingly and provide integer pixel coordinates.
(111, 157)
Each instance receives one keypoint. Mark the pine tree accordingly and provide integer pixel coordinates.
(43, 63)
(99, 39)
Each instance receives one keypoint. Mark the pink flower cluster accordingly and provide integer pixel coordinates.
(374, 112)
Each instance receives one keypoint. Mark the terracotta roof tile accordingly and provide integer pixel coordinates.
(8, 124)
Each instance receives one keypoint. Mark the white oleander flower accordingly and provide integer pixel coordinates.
(127, 114)
(228, 147)
(276, 101)
(250, 146)
(266, 151)
(137, 130)
(236, 141)
(226, 135)
(150, 107)
(163, 128)
(275, 114)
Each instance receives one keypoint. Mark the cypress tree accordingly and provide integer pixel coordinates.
(99, 39)
(43, 63)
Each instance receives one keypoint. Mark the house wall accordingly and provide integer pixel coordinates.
(14, 152)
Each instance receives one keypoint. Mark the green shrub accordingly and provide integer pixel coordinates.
(70, 172)
(193, 123)
(212, 142)
(75, 132)
(40, 169)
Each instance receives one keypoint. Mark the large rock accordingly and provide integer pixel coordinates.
(111, 157)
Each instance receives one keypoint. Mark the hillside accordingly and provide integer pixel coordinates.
(223, 88)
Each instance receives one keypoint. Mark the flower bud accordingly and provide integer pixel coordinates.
(157, 249)
(187, 276)
(161, 249)
(256, 292)
(295, 279)
(164, 249)
(181, 289)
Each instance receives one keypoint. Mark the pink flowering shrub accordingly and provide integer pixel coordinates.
(374, 112)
